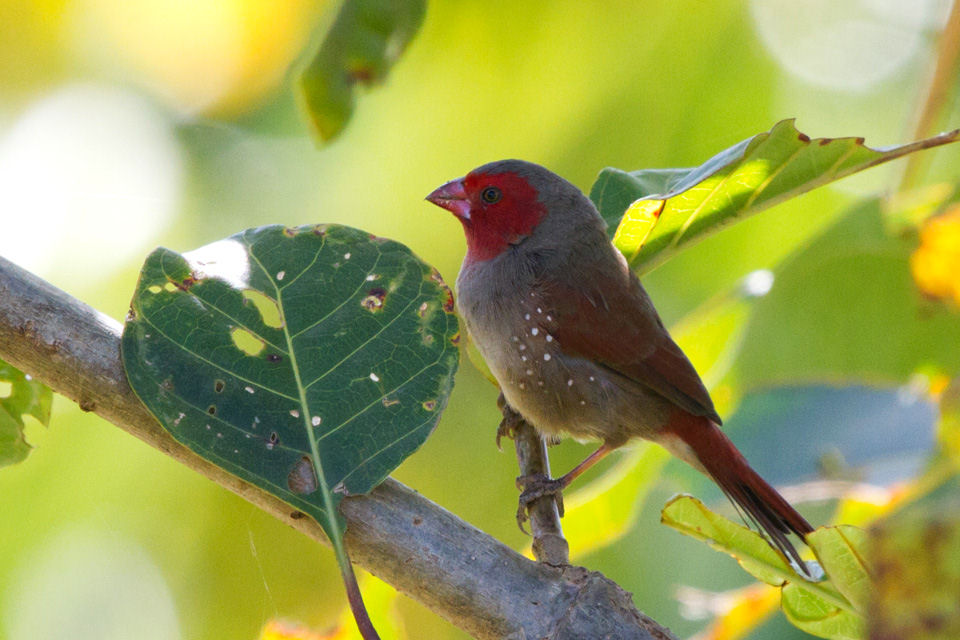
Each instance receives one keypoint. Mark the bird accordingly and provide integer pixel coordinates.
(575, 343)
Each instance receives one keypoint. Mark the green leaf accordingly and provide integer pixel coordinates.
(853, 265)
(20, 396)
(817, 607)
(309, 361)
(841, 551)
(366, 39)
(657, 212)
(815, 615)
(688, 515)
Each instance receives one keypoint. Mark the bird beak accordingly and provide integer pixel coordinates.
(453, 198)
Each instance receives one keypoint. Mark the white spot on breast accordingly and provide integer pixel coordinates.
(529, 372)
(534, 331)
(523, 386)
(570, 382)
(539, 310)
(549, 318)
(374, 377)
(592, 379)
(549, 338)
(523, 347)
(583, 402)
(546, 357)
(515, 339)
(523, 358)
(526, 316)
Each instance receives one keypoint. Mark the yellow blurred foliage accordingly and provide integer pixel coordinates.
(936, 262)
(209, 56)
(284, 630)
(743, 611)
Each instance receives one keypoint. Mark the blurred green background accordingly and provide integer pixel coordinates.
(130, 124)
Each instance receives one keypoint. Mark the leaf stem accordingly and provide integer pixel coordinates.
(943, 78)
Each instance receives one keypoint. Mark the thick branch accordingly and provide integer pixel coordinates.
(459, 572)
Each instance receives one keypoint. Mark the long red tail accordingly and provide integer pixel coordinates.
(757, 500)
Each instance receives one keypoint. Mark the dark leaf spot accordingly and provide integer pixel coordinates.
(290, 232)
(186, 283)
(131, 315)
(273, 357)
(320, 230)
(296, 515)
(803, 137)
(302, 479)
(212, 409)
(455, 338)
(429, 405)
(417, 521)
(273, 440)
(373, 302)
(218, 386)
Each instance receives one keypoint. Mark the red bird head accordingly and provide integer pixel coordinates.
(503, 203)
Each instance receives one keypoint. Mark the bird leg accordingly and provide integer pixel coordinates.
(511, 420)
(538, 485)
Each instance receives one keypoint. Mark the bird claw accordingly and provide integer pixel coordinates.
(534, 487)
(509, 425)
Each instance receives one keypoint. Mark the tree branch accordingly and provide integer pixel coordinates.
(459, 572)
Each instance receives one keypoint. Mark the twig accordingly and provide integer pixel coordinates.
(459, 572)
(549, 545)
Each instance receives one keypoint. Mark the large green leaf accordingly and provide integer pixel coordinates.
(309, 361)
(20, 396)
(820, 608)
(852, 311)
(656, 212)
(366, 39)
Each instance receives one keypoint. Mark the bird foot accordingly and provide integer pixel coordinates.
(509, 425)
(533, 488)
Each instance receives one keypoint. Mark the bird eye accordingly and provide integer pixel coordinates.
(491, 195)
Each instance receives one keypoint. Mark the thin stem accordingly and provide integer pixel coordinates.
(941, 82)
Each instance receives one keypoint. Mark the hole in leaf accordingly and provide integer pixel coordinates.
(267, 306)
(246, 341)
(273, 440)
(155, 288)
(302, 478)
(373, 302)
(218, 386)
(429, 405)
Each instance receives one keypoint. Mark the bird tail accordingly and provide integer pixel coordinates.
(757, 501)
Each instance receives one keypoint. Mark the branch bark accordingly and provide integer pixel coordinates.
(459, 572)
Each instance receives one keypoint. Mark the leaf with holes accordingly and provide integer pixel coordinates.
(20, 396)
(656, 212)
(309, 361)
(366, 39)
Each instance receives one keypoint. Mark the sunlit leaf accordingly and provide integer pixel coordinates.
(688, 515)
(364, 42)
(817, 607)
(916, 552)
(841, 551)
(20, 396)
(308, 361)
(817, 616)
(736, 183)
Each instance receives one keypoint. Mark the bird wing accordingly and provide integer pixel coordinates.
(614, 324)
